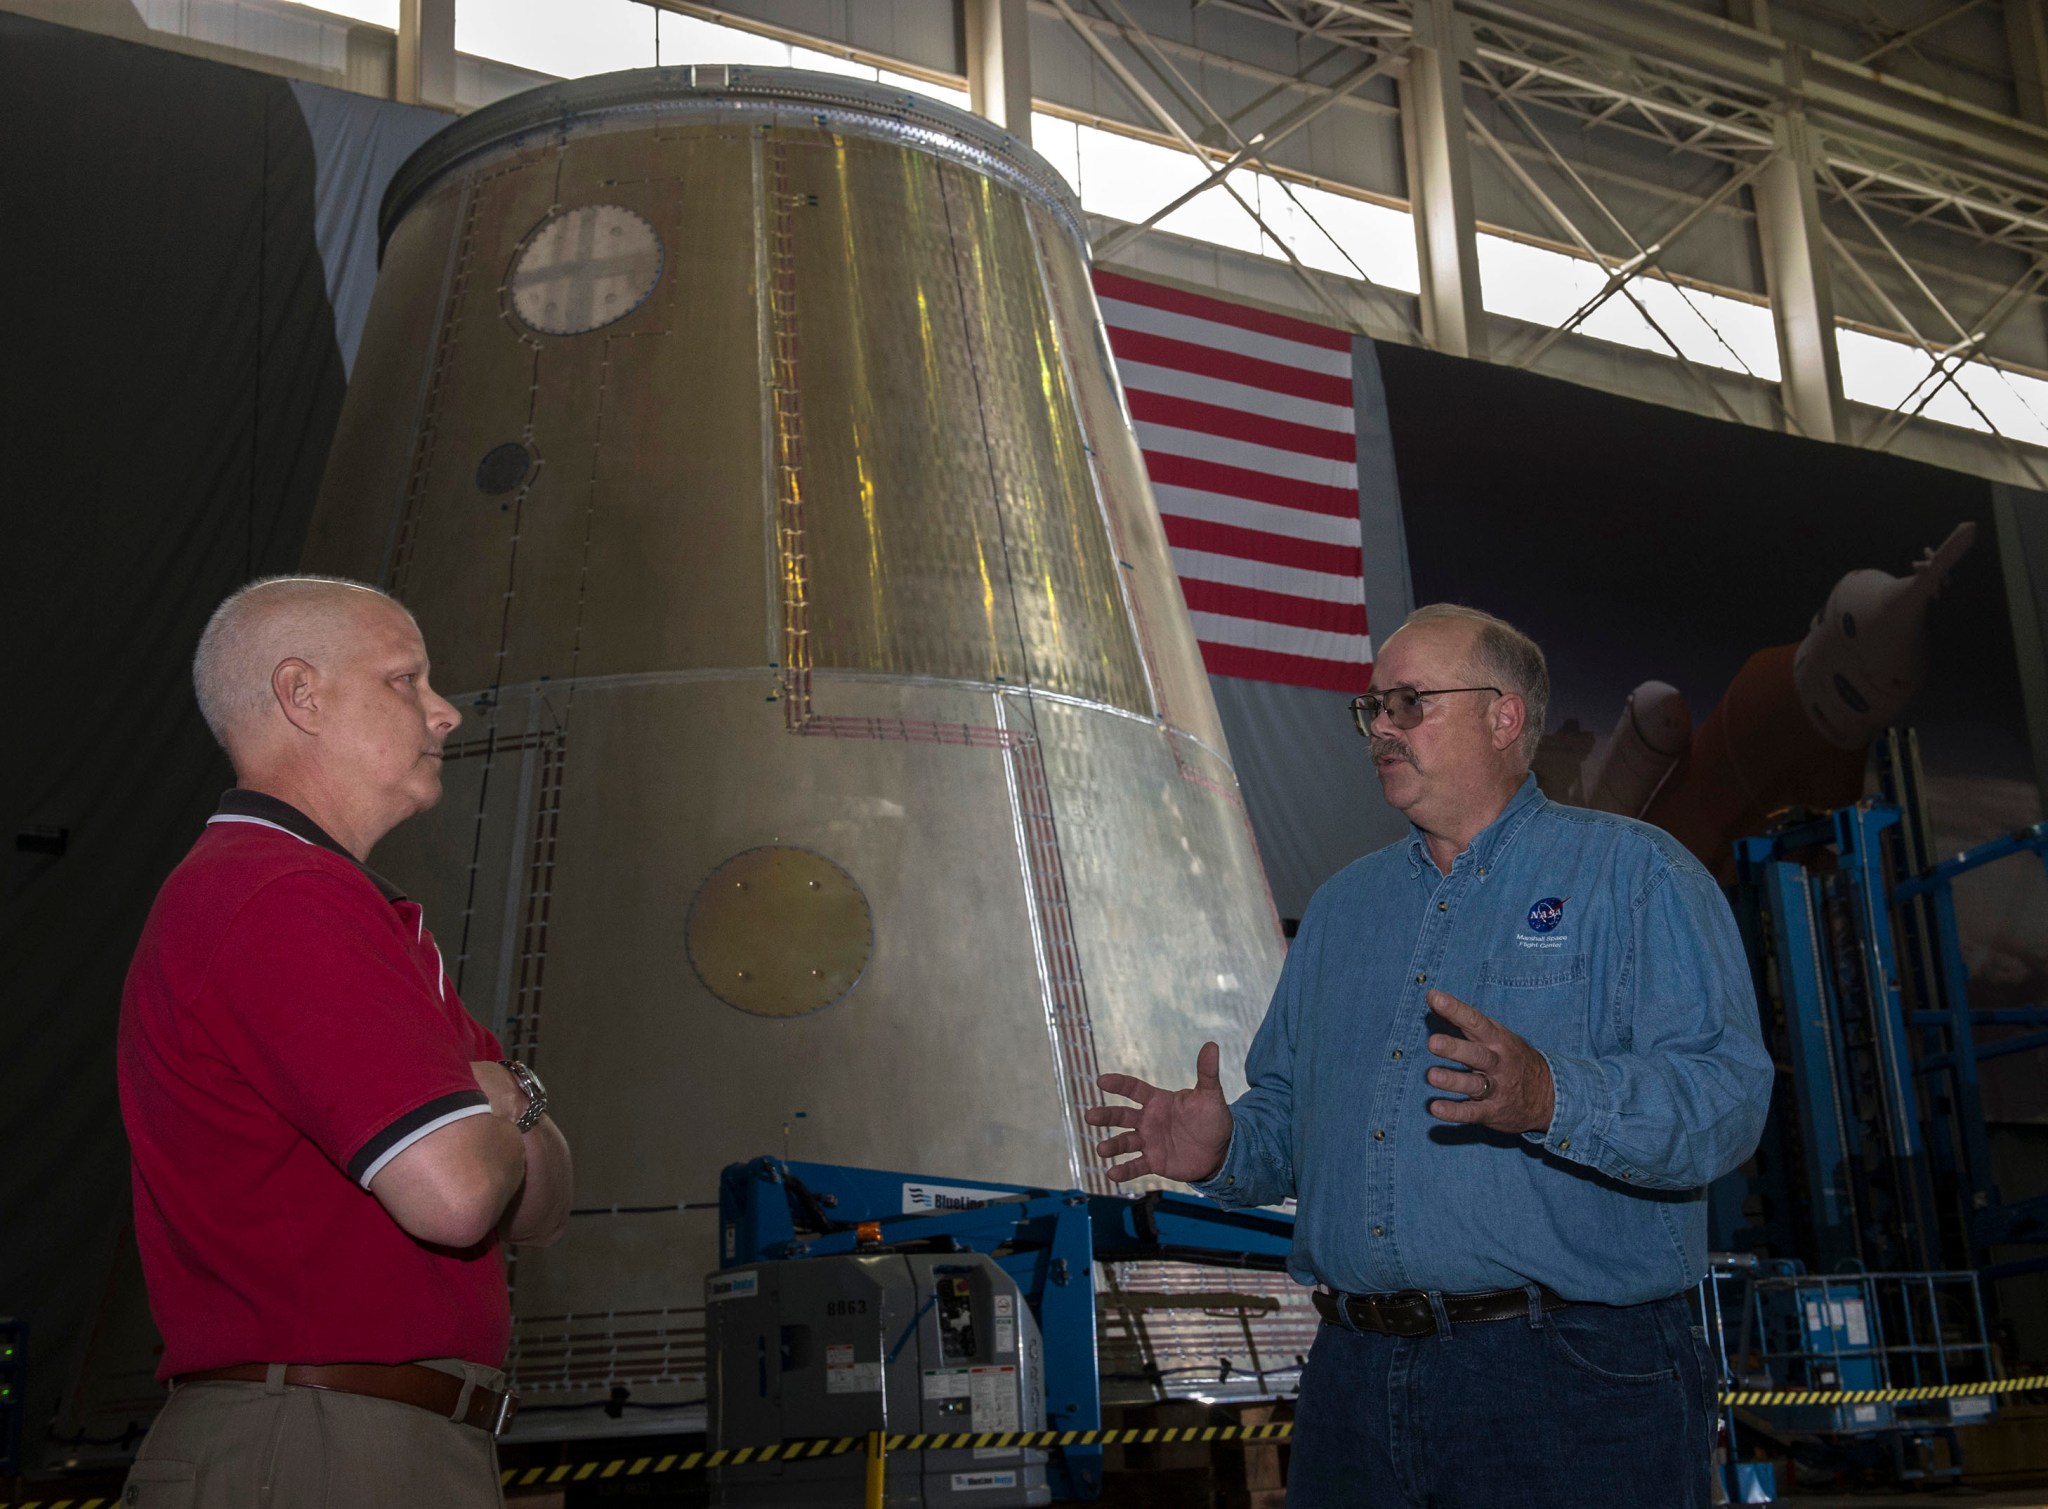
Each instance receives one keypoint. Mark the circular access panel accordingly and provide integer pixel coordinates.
(779, 932)
(585, 268)
(503, 468)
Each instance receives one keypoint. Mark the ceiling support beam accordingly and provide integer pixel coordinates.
(1797, 275)
(999, 63)
(1440, 185)
(1913, 34)
(426, 54)
(2026, 32)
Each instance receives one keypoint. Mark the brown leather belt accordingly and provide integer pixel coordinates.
(405, 1383)
(1409, 1313)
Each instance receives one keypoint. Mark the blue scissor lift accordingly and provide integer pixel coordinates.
(1872, 1197)
(1048, 1241)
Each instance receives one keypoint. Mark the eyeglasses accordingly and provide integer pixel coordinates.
(1401, 704)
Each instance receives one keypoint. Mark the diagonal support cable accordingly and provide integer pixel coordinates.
(1252, 152)
(1913, 34)
(1564, 222)
(2013, 298)
(1165, 118)
(1621, 273)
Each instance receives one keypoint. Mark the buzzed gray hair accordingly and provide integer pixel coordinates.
(239, 647)
(1502, 656)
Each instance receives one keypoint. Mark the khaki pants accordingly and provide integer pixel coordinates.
(273, 1446)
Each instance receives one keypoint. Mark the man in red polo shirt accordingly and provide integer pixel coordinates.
(328, 1150)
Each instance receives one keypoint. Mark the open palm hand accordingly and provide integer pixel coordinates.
(1177, 1134)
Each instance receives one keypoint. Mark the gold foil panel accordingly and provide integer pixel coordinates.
(949, 523)
(1176, 661)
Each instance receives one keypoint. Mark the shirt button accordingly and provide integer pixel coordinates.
(1482, 869)
(1443, 906)
(1565, 1146)
(1379, 1136)
(1397, 1053)
(1379, 1231)
(1420, 978)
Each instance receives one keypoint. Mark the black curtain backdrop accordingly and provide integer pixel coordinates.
(172, 381)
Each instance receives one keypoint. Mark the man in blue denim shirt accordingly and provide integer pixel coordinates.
(1503, 1274)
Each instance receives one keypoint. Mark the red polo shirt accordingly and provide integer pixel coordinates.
(286, 1029)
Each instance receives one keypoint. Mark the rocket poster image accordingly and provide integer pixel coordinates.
(1730, 617)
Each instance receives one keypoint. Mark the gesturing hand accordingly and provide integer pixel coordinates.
(1508, 1083)
(1178, 1134)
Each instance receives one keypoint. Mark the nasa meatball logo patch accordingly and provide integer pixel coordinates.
(1544, 918)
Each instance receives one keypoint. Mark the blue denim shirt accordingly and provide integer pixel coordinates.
(1608, 948)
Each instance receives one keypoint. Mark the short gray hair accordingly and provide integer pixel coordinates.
(1503, 656)
(244, 641)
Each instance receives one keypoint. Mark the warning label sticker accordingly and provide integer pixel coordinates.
(854, 1378)
(845, 1376)
(990, 1392)
(964, 1481)
(994, 1399)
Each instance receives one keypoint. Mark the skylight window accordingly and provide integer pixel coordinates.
(1126, 178)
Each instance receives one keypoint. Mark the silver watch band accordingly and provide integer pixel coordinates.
(536, 1094)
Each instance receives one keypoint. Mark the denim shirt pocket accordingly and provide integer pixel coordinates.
(1543, 998)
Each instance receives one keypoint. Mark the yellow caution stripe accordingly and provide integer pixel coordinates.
(835, 1446)
(1038, 1440)
(1768, 1397)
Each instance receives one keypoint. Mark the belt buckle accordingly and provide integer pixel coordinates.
(1407, 1299)
(508, 1406)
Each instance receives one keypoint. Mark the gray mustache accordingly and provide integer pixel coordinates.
(1384, 748)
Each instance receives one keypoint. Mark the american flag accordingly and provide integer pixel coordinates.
(1245, 419)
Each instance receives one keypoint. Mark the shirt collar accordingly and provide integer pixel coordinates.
(241, 805)
(1491, 840)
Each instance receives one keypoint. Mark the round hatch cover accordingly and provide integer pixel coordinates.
(585, 268)
(780, 932)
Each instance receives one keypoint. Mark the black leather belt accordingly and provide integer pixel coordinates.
(1409, 1313)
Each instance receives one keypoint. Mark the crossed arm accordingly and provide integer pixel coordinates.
(458, 1184)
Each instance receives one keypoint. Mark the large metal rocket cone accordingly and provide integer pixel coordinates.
(839, 773)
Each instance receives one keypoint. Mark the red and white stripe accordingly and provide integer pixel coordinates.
(1245, 419)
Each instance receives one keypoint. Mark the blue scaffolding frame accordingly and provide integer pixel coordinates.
(1886, 1132)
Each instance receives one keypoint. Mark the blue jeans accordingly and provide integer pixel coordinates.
(1591, 1405)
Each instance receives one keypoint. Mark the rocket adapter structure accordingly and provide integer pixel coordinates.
(840, 776)
(1795, 725)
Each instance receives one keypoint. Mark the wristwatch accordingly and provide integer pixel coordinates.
(536, 1094)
